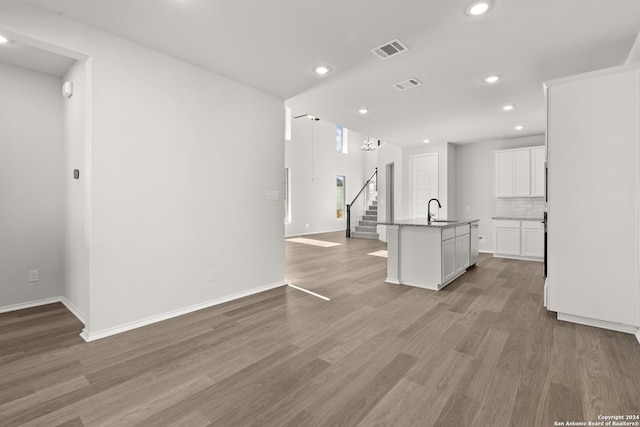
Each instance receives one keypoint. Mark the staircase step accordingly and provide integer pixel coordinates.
(368, 223)
(370, 217)
(368, 228)
(364, 235)
(373, 207)
(368, 212)
(374, 202)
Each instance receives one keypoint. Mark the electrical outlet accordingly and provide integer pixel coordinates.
(34, 275)
(211, 275)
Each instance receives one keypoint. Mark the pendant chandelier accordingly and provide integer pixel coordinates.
(368, 145)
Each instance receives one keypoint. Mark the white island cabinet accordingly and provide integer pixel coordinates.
(429, 255)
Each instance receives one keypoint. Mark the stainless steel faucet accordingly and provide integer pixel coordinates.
(429, 208)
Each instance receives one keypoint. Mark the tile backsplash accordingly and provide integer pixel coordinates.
(520, 207)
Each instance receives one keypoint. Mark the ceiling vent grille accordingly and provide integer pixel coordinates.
(407, 84)
(392, 48)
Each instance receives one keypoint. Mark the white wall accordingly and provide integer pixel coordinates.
(31, 186)
(77, 225)
(475, 181)
(313, 163)
(178, 176)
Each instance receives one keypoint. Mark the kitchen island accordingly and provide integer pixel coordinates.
(430, 254)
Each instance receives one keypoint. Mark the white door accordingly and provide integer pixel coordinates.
(424, 183)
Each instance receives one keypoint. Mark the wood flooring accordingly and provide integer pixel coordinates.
(481, 352)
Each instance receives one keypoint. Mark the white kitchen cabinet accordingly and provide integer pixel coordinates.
(522, 173)
(593, 164)
(538, 158)
(448, 259)
(463, 244)
(504, 173)
(518, 239)
(531, 239)
(506, 237)
(456, 251)
(518, 172)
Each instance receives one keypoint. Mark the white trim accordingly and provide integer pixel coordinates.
(638, 336)
(620, 327)
(92, 336)
(30, 304)
(485, 251)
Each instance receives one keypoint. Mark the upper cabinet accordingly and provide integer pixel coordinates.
(520, 172)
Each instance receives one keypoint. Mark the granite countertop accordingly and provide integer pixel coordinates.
(422, 222)
(519, 218)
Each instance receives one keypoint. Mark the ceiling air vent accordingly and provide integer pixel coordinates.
(394, 47)
(407, 84)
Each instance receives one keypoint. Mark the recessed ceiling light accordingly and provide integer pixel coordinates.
(321, 69)
(519, 127)
(478, 8)
(508, 107)
(426, 141)
(3, 39)
(492, 79)
(363, 111)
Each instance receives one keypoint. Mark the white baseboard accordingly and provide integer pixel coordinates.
(315, 232)
(92, 336)
(619, 327)
(73, 309)
(485, 251)
(519, 258)
(30, 304)
(638, 336)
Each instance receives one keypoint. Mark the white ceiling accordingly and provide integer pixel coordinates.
(273, 46)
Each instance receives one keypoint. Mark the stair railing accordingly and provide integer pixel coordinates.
(349, 205)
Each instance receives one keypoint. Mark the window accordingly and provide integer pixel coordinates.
(342, 139)
(287, 200)
(340, 197)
